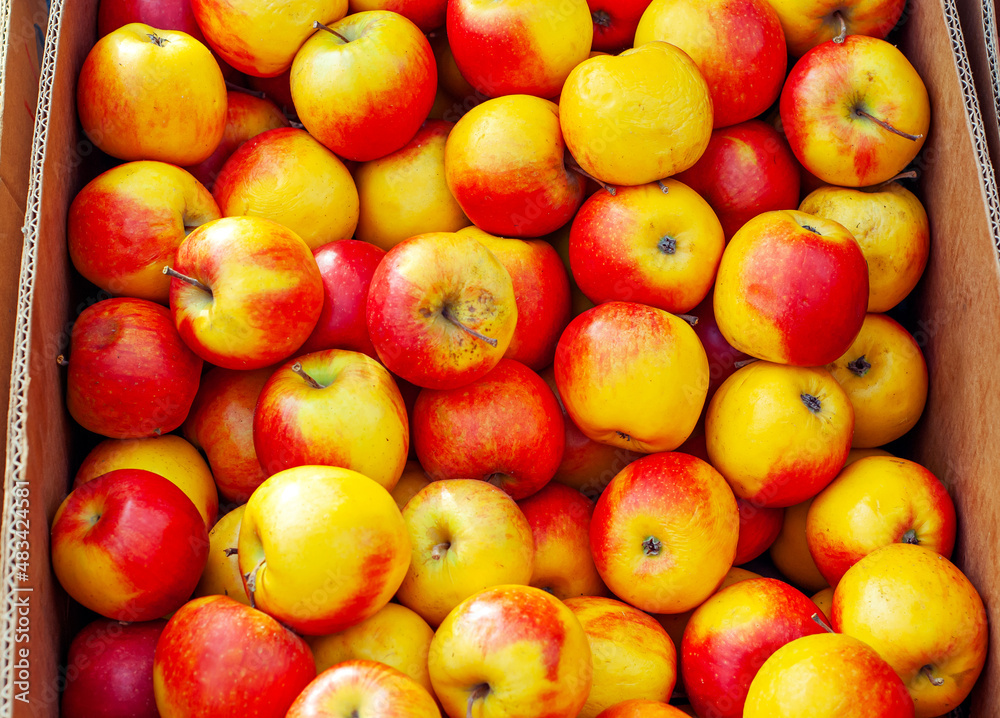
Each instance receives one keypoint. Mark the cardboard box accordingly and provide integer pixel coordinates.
(959, 316)
(979, 24)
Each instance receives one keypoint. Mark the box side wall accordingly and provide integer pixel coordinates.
(979, 25)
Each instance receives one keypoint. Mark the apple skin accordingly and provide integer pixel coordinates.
(128, 67)
(790, 551)
(639, 708)
(423, 281)
(355, 419)
(413, 480)
(278, 89)
(265, 297)
(366, 688)
(126, 224)
(505, 428)
(221, 576)
(730, 636)
(366, 98)
(514, 650)
(347, 267)
(220, 658)
(505, 163)
(722, 358)
(130, 374)
(808, 24)
(615, 22)
(747, 169)
(426, 14)
(759, 527)
(129, 545)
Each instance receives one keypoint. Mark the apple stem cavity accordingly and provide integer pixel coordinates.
(928, 671)
(297, 368)
(171, 272)
(317, 25)
(246, 91)
(859, 367)
(667, 245)
(911, 537)
(478, 693)
(842, 35)
(652, 546)
(663, 187)
(745, 362)
(574, 166)
(439, 550)
(816, 617)
(812, 403)
(885, 125)
(156, 39)
(468, 330)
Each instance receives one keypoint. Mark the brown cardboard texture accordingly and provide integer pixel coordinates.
(979, 24)
(959, 316)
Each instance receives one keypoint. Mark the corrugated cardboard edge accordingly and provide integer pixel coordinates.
(5, 8)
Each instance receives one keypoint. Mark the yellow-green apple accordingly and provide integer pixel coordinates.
(874, 502)
(347, 267)
(220, 423)
(738, 46)
(824, 602)
(643, 709)
(885, 375)
(322, 548)
(759, 527)
(896, 249)
(406, 193)
(827, 676)
(261, 39)
(170, 456)
(525, 47)
(245, 292)
(247, 116)
(332, 408)
(790, 551)
(559, 518)
(730, 636)
(364, 86)
(808, 24)
(779, 434)
(222, 576)
(923, 616)
(508, 167)
(364, 688)
(219, 658)
(130, 374)
(121, 91)
(128, 222)
(129, 545)
(410, 483)
(632, 376)
(466, 536)
(395, 636)
(511, 650)
(636, 117)
(657, 244)
(541, 291)
(792, 288)
(855, 113)
(505, 428)
(426, 14)
(747, 169)
(441, 310)
(722, 358)
(633, 656)
(615, 22)
(287, 162)
(640, 534)
(109, 670)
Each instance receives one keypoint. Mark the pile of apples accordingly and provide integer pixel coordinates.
(505, 334)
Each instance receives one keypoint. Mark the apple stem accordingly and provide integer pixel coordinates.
(886, 126)
(246, 91)
(438, 552)
(745, 362)
(573, 165)
(928, 671)
(689, 318)
(909, 174)
(663, 187)
(297, 368)
(170, 272)
(251, 579)
(822, 623)
(156, 39)
(478, 693)
(860, 366)
(62, 361)
(842, 35)
(231, 552)
(317, 25)
(468, 330)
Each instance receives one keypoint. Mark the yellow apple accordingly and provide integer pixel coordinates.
(222, 576)
(410, 483)
(824, 602)
(790, 551)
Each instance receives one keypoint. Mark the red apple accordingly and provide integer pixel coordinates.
(278, 89)
(615, 22)
(722, 358)
(807, 23)
(759, 527)
(426, 14)
(364, 688)
(130, 374)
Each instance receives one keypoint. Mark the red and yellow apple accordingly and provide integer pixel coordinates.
(366, 688)
(808, 24)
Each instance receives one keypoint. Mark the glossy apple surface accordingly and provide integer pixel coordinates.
(615, 22)
(364, 688)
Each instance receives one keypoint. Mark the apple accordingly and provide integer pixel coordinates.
(859, 454)
(875, 502)
(759, 527)
(855, 113)
(511, 650)
(507, 165)
(219, 658)
(109, 671)
(732, 634)
(615, 23)
(559, 518)
(637, 117)
(792, 288)
(441, 310)
(128, 222)
(364, 688)
(633, 656)
(738, 46)
(657, 244)
(364, 85)
(322, 548)
(130, 375)
(526, 47)
(632, 376)
(450, 78)
(120, 80)
(414, 479)
(640, 534)
(747, 169)
(790, 551)
(505, 428)
(923, 616)
(428, 15)
(278, 89)
(129, 545)
(643, 709)
(222, 576)
(220, 423)
(824, 602)
(722, 358)
(332, 408)
(466, 536)
(808, 24)
(246, 292)
(170, 456)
